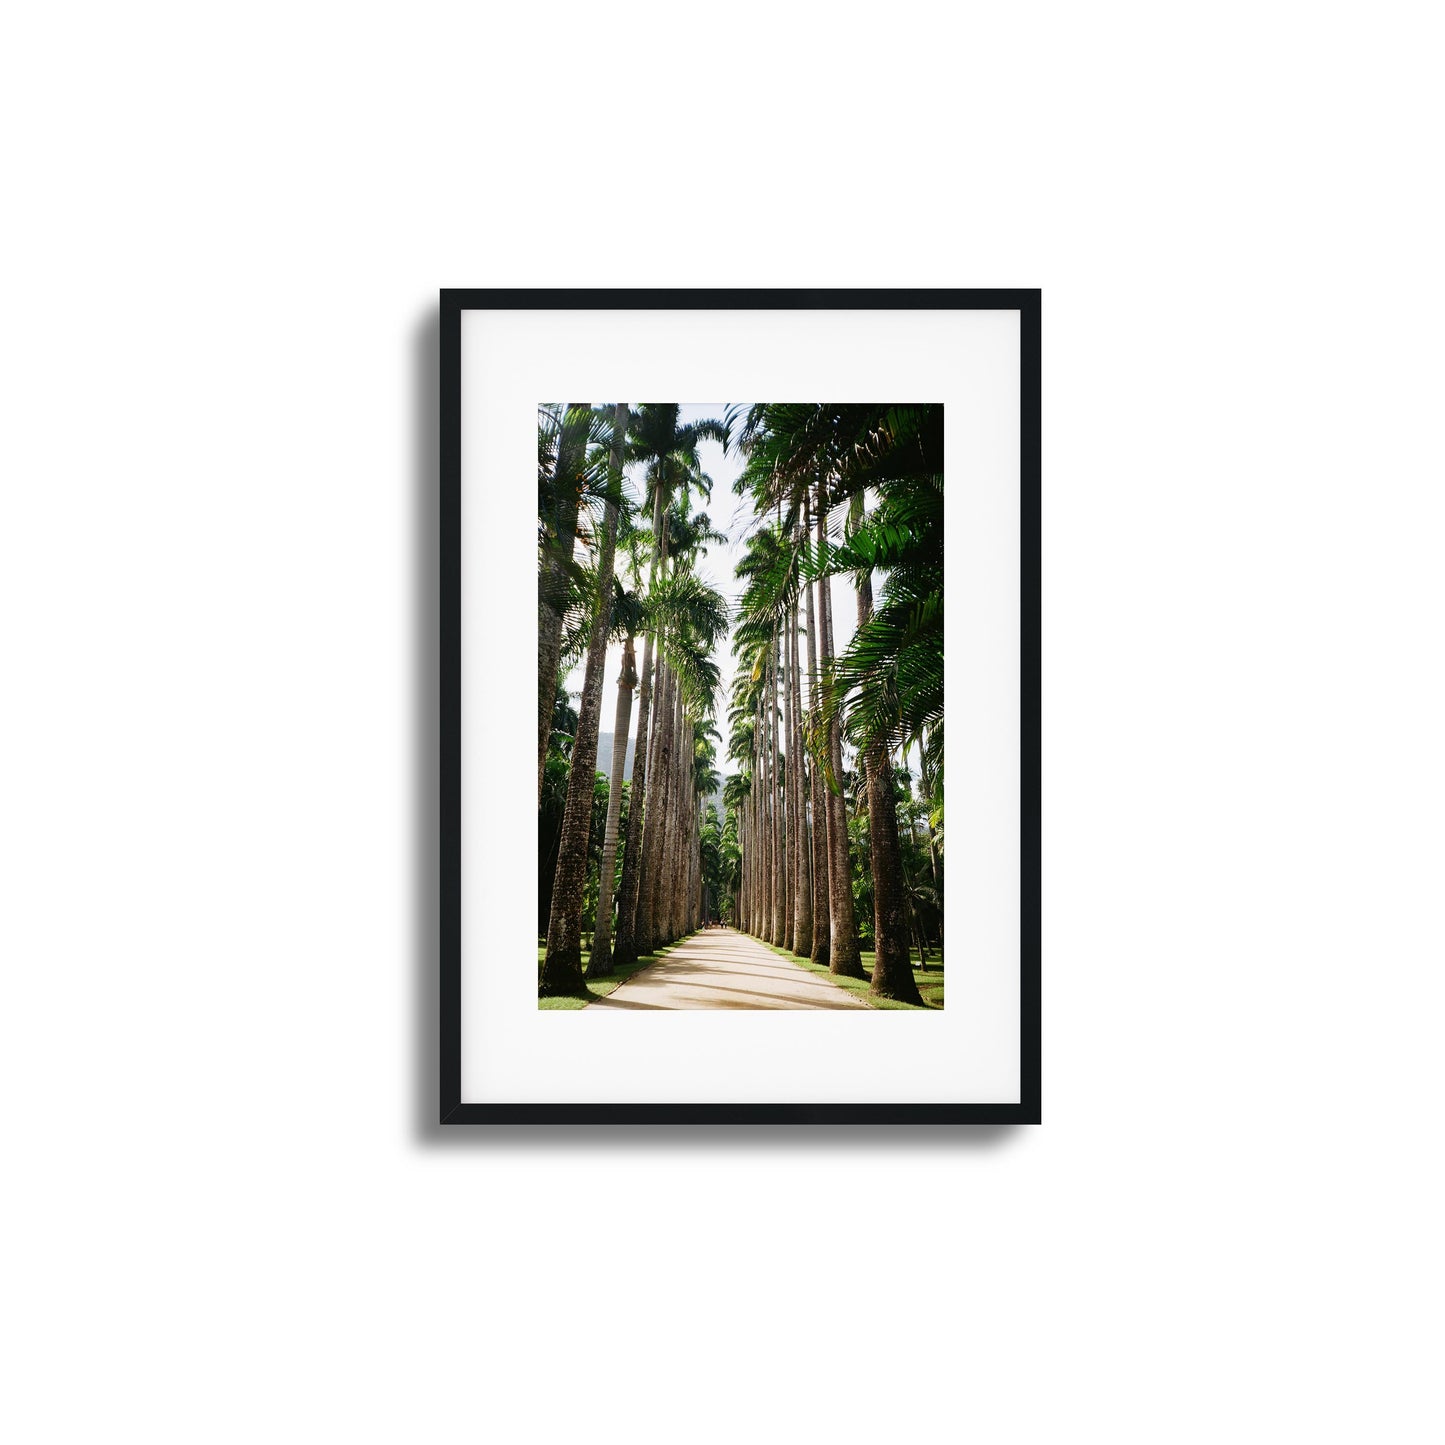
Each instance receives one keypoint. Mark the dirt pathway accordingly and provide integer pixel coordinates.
(720, 968)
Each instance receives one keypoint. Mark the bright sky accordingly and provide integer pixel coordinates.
(734, 516)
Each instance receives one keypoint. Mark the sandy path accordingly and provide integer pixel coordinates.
(720, 968)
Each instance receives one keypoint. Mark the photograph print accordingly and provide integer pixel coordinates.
(740, 706)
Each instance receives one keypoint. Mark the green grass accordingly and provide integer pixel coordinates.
(596, 987)
(930, 981)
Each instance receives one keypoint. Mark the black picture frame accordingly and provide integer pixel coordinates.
(453, 1110)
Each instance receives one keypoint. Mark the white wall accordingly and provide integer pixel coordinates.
(225, 1215)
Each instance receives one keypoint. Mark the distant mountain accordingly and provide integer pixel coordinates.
(604, 756)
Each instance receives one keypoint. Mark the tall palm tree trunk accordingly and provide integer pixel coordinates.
(765, 824)
(892, 968)
(740, 893)
(673, 863)
(652, 816)
(822, 921)
(600, 963)
(653, 819)
(803, 885)
(656, 820)
(552, 576)
(562, 967)
(785, 750)
(674, 856)
(684, 809)
(764, 872)
(760, 854)
(687, 884)
(666, 858)
(701, 912)
(745, 868)
(625, 953)
(694, 868)
(755, 845)
(790, 826)
(671, 859)
(695, 900)
(742, 901)
(915, 924)
(926, 775)
(845, 959)
(779, 933)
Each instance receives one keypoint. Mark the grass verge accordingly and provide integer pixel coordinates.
(596, 987)
(929, 981)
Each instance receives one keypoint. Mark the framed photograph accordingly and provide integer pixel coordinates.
(746, 720)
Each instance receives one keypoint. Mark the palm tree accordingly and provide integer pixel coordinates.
(562, 966)
(600, 961)
(713, 858)
(845, 958)
(931, 776)
(704, 783)
(554, 803)
(629, 618)
(822, 910)
(889, 682)
(892, 968)
(738, 790)
(776, 795)
(663, 444)
(565, 476)
(735, 801)
(748, 739)
(801, 864)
